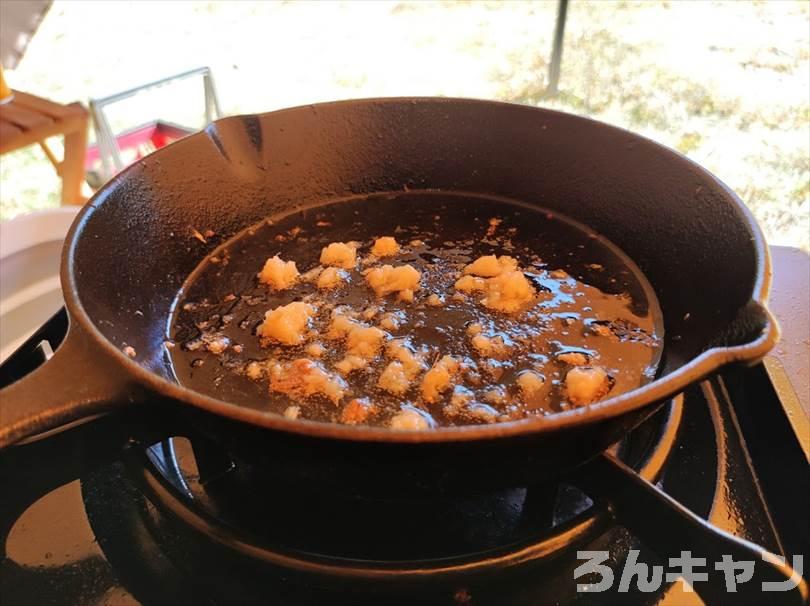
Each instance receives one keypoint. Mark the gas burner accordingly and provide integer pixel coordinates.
(439, 547)
(235, 506)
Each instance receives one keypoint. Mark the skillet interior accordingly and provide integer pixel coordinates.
(223, 299)
(134, 247)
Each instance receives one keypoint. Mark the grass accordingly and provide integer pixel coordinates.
(726, 83)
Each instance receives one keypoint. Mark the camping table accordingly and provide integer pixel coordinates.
(28, 119)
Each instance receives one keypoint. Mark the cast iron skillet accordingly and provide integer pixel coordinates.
(131, 249)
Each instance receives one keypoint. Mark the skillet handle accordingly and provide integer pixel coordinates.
(77, 382)
(666, 526)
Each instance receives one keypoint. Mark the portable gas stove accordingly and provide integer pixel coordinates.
(178, 522)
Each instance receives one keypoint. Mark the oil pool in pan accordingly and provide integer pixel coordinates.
(592, 307)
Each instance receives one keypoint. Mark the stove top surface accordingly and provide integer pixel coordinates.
(178, 523)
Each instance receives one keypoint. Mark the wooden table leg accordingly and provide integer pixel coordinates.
(72, 168)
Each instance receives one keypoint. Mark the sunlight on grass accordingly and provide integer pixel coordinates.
(726, 83)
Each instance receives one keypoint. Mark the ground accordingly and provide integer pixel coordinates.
(726, 83)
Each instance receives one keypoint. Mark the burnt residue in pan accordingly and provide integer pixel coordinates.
(592, 307)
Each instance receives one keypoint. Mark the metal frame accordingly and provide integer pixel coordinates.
(557, 50)
(109, 152)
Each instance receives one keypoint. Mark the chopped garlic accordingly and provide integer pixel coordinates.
(483, 412)
(316, 350)
(586, 384)
(574, 358)
(508, 292)
(254, 370)
(312, 274)
(490, 266)
(602, 330)
(287, 324)
(340, 326)
(437, 380)
(292, 412)
(398, 350)
(331, 277)
(385, 247)
(214, 343)
(364, 341)
(387, 279)
(370, 312)
(470, 284)
(394, 379)
(392, 320)
(474, 329)
(278, 274)
(406, 296)
(361, 340)
(304, 378)
(496, 395)
(357, 411)
(413, 419)
(490, 347)
(340, 254)
(349, 364)
(530, 383)
(461, 396)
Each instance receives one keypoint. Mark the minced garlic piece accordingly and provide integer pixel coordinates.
(361, 340)
(394, 379)
(350, 363)
(461, 397)
(470, 284)
(406, 296)
(508, 292)
(340, 254)
(385, 247)
(357, 411)
(490, 347)
(483, 412)
(287, 324)
(278, 274)
(437, 380)
(586, 384)
(574, 358)
(387, 279)
(392, 320)
(490, 266)
(340, 326)
(316, 350)
(364, 341)
(304, 378)
(312, 274)
(255, 370)
(370, 312)
(398, 350)
(292, 412)
(331, 277)
(602, 330)
(530, 383)
(496, 395)
(214, 343)
(410, 418)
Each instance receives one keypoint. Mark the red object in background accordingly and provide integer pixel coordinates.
(138, 142)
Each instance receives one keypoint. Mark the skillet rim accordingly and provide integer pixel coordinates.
(656, 391)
